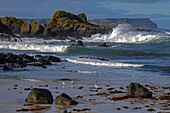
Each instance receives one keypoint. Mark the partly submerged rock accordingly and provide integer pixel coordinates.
(138, 91)
(102, 45)
(41, 96)
(65, 100)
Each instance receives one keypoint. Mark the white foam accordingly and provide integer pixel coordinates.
(97, 62)
(84, 72)
(123, 33)
(34, 47)
(31, 80)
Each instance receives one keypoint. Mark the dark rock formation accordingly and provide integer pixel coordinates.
(138, 91)
(69, 24)
(25, 29)
(36, 30)
(65, 100)
(41, 96)
(13, 23)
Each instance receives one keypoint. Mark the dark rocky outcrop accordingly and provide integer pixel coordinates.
(138, 91)
(13, 24)
(36, 30)
(65, 100)
(41, 96)
(72, 25)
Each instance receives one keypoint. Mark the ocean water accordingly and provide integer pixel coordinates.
(132, 56)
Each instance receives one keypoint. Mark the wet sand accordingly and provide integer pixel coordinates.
(92, 98)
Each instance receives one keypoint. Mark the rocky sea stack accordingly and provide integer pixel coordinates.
(68, 24)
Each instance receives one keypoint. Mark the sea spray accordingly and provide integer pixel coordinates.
(124, 33)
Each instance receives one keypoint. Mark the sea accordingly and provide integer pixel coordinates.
(141, 56)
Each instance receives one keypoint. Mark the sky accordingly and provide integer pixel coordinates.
(157, 10)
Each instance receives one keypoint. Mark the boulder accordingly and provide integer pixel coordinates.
(138, 91)
(65, 100)
(41, 96)
(79, 43)
(102, 45)
(36, 30)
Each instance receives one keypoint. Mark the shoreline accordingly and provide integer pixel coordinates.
(90, 98)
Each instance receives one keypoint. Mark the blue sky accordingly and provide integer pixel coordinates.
(157, 10)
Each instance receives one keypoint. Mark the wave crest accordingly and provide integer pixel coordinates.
(97, 62)
(124, 33)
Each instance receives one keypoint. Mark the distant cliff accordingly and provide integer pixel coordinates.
(143, 23)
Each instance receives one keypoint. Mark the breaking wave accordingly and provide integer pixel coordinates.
(34, 47)
(124, 33)
(98, 62)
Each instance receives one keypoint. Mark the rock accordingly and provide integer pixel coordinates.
(83, 17)
(25, 29)
(46, 60)
(79, 43)
(5, 37)
(36, 30)
(53, 58)
(41, 96)
(27, 58)
(13, 24)
(65, 100)
(138, 91)
(73, 25)
(37, 65)
(102, 45)
(5, 29)
(8, 66)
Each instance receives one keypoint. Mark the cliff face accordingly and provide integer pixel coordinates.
(142, 23)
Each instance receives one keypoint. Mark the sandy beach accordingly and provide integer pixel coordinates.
(92, 98)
